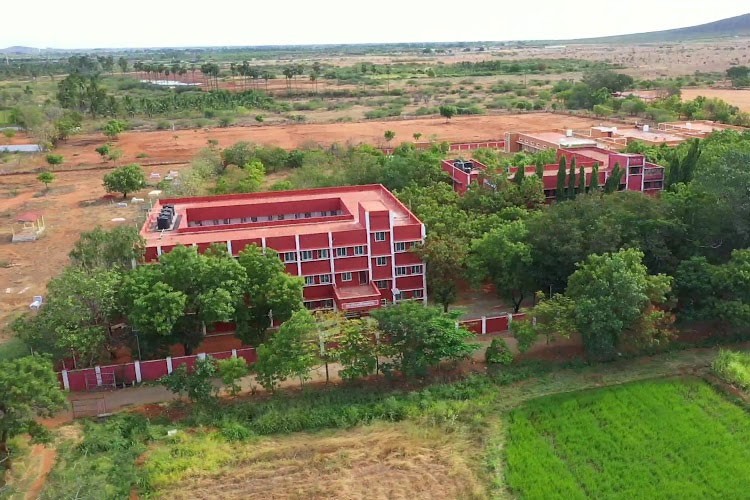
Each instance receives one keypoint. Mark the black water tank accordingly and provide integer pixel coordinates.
(163, 222)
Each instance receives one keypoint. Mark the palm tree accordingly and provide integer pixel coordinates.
(289, 73)
(314, 80)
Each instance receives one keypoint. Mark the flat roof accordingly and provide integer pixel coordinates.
(559, 138)
(698, 126)
(651, 136)
(373, 197)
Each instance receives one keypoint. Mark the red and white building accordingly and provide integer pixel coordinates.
(350, 244)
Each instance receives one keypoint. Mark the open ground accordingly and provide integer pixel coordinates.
(738, 97)
(74, 203)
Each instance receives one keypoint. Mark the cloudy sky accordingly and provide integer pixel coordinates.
(152, 23)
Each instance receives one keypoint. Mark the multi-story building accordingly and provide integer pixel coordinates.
(350, 244)
(639, 174)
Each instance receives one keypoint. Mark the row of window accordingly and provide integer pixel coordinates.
(408, 270)
(323, 253)
(319, 304)
(267, 218)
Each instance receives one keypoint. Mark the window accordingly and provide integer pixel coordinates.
(306, 254)
(382, 284)
(380, 236)
(346, 276)
(308, 215)
(398, 296)
(383, 302)
(243, 220)
(309, 280)
(400, 246)
(216, 222)
(416, 269)
(401, 271)
(635, 170)
(341, 252)
(290, 257)
(324, 254)
(280, 217)
(418, 294)
(253, 219)
(227, 221)
(359, 250)
(325, 279)
(381, 261)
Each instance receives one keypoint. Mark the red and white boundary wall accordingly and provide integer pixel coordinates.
(145, 371)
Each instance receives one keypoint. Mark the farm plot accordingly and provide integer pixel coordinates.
(394, 461)
(669, 438)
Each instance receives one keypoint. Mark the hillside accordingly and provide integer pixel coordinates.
(733, 26)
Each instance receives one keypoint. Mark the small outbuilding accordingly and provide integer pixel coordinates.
(29, 226)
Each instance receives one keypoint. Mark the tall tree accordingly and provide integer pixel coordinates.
(28, 388)
(561, 175)
(421, 337)
(581, 180)
(106, 249)
(613, 294)
(504, 258)
(594, 185)
(571, 190)
(445, 256)
(288, 353)
(269, 294)
(612, 184)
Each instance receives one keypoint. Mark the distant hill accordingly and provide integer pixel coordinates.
(730, 27)
(18, 50)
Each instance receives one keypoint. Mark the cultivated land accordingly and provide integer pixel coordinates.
(679, 438)
(74, 203)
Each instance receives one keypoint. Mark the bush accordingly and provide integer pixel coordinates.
(234, 431)
(733, 367)
(498, 353)
(163, 125)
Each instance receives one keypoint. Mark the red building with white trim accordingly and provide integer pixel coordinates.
(351, 244)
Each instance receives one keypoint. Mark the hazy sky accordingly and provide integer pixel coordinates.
(149, 23)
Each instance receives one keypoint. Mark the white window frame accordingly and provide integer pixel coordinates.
(346, 276)
(360, 250)
(378, 261)
(418, 294)
(400, 246)
(379, 235)
(306, 255)
(341, 252)
(324, 253)
(385, 284)
(401, 271)
(309, 280)
(287, 260)
(325, 279)
(398, 296)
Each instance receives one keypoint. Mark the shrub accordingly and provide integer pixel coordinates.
(498, 353)
(734, 367)
(163, 125)
(234, 431)
(9, 133)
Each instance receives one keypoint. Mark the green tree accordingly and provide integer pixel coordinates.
(231, 371)
(581, 180)
(103, 151)
(612, 184)
(389, 135)
(288, 353)
(612, 292)
(197, 384)
(127, 179)
(448, 112)
(28, 388)
(46, 178)
(113, 128)
(123, 64)
(357, 349)
(561, 175)
(504, 258)
(570, 193)
(54, 160)
(106, 249)
(594, 185)
(177, 300)
(79, 310)
(444, 255)
(421, 337)
(520, 175)
(269, 294)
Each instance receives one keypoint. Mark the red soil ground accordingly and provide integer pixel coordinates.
(182, 145)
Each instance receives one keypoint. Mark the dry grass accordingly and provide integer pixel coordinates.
(379, 461)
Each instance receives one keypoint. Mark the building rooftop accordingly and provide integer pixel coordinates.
(700, 126)
(655, 136)
(560, 139)
(272, 214)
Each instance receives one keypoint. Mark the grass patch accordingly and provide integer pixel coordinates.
(733, 367)
(677, 437)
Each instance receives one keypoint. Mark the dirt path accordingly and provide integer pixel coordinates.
(47, 457)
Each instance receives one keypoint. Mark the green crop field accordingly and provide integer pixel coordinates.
(655, 439)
